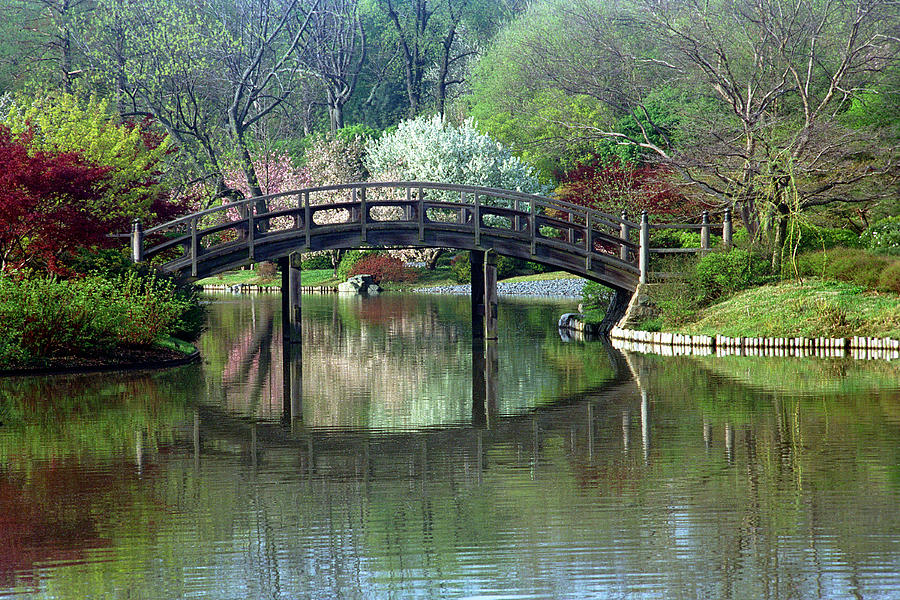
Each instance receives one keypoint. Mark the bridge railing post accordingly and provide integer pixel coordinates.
(251, 230)
(307, 217)
(625, 234)
(195, 246)
(726, 230)
(533, 219)
(137, 241)
(644, 251)
(704, 232)
(420, 210)
(477, 221)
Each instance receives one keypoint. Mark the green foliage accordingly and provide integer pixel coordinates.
(461, 268)
(804, 236)
(883, 237)
(64, 123)
(45, 317)
(594, 300)
(350, 133)
(316, 261)
(350, 258)
(675, 238)
(872, 271)
(720, 274)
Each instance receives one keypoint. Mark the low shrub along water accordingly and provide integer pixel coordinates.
(45, 317)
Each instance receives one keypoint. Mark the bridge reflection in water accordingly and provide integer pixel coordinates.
(329, 342)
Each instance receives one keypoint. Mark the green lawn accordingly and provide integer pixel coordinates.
(810, 309)
(251, 277)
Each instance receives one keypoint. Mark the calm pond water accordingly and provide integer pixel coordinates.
(393, 465)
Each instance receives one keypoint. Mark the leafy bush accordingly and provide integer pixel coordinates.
(44, 317)
(806, 237)
(675, 238)
(890, 278)
(43, 196)
(314, 261)
(384, 269)
(721, 274)
(461, 268)
(350, 258)
(594, 300)
(857, 266)
(883, 237)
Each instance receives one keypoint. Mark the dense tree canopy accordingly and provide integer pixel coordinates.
(750, 102)
(778, 110)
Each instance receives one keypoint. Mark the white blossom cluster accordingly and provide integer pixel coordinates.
(429, 149)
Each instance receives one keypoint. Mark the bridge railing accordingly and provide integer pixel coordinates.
(547, 224)
(705, 228)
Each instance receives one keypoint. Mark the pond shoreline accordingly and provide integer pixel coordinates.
(143, 360)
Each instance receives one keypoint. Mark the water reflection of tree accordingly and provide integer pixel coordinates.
(75, 453)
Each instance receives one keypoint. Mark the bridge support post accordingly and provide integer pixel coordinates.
(490, 296)
(292, 374)
(484, 294)
(476, 264)
(484, 382)
(291, 304)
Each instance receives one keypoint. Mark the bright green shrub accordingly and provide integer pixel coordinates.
(42, 318)
(883, 237)
(806, 237)
(721, 274)
(594, 300)
(312, 262)
(64, 123)
(461, 268)
(675, 238)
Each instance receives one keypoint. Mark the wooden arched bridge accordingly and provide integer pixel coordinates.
(609, 249)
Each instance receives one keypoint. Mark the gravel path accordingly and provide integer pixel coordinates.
(555, 288)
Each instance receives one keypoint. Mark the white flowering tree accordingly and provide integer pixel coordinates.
(430, 149)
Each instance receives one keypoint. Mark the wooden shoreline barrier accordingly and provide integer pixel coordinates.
(245, 288)
(674, 344)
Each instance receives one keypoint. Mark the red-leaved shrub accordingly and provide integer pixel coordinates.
(612, 187)
(383, 269)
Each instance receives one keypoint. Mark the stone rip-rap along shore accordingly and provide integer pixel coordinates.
(556, 288)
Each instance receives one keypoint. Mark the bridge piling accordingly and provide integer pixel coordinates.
(490, 296)
(291, 303)
(476, 264)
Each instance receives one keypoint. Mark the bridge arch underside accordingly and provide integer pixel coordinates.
(275, 245)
